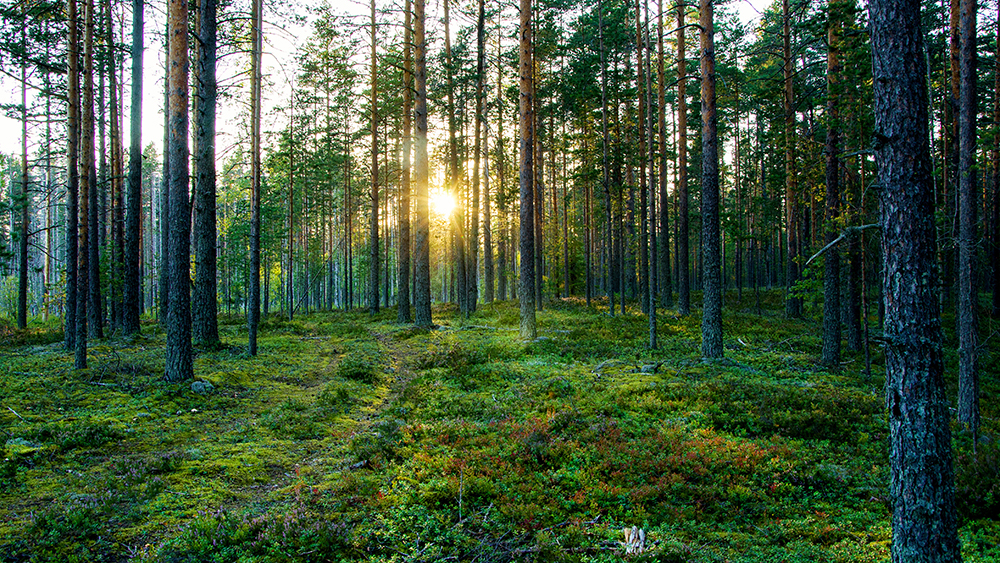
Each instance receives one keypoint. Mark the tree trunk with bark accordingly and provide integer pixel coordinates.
(403, 314)
(373, 251)
(968, 198)
(86, 180)
(711, 320)
(473, 276)
(421, 239)
(664, 284)
(132, 290)
(25, 198)
(526, 283)
(793, 303)
(831, 264)
(179, 364)
(72, 176)
(256, 48)
(204, 303)
(683, 252)
(924, 524)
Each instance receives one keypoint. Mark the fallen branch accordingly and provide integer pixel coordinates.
(17, 415)
(846, 233)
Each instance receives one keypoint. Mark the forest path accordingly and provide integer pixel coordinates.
(363, 417)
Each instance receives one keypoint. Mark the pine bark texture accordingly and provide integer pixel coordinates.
(72, 174)
(663, 249)
(995, 206)
(205, 325)
(968, 199)
(421, 239)
(132, 291)
(922, 490)
(831, 264)
(403, 314)
(473, 277)
(86, 177)
(179, 364)
(373, 265)
(683, 251)
(793, 304)
(526, 282)
(256, 40)
(22, 237)
(711, 320)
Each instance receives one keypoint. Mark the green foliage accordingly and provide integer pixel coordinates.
(222, 537)
(350, 439)
(977, 482)
(362, 362)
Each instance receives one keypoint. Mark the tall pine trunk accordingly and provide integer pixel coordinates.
(373, 266)
(132, 290)
(204, 303)
(526, 283)
(831, 264)
(421, 242)
(179, 364)
(473, 277)
(711, 320)
(665, 286)
(256, 42)
(25, 198)
(924, 523)
(72, 175)
(793, 303)
(403, 272)
(968, 338)
(86, 180)
(683, 252)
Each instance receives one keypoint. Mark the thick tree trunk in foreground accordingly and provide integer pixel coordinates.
(526, 282)
(179, 365)
(204, 303)
(711, 320)
(923, 512)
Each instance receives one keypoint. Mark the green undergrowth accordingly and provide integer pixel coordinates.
(351, 438)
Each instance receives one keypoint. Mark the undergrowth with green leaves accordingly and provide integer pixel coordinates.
(350, 438)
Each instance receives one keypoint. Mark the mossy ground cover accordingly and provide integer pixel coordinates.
(352, 438)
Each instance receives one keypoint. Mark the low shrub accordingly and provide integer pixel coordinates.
(293, 536)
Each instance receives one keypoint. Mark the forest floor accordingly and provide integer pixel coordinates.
(351, 438)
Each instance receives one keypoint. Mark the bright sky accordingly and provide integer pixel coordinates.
(280, 44)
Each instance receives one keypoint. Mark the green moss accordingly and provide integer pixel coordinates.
(362, 439)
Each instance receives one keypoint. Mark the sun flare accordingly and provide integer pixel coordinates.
(442, 203)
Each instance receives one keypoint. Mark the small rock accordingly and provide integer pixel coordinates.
(202, 387)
